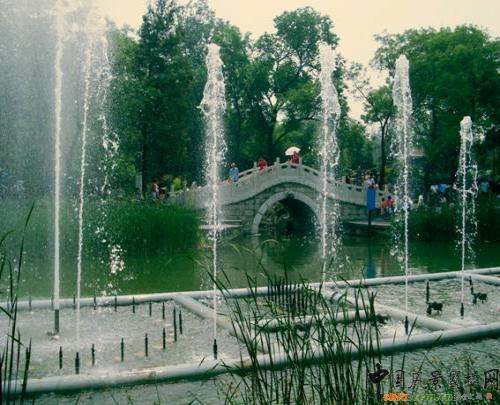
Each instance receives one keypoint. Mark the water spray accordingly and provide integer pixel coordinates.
(213, 106)
(329, 155)
(403, 144)
(57, 159)
(466, 185)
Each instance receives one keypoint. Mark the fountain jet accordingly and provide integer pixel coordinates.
(466, 185)
(402, 148)
(57, 159)
(329, 155)
(213, 106)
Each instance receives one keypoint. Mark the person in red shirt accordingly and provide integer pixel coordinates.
(262, 164)
(295, 158)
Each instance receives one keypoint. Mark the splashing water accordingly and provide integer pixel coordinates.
(466, 185)
(329, 154)
(83, 159)
(94, 34)
(57, 158)
(402, 148)
(213, 106)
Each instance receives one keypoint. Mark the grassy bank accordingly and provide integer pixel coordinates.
(138, 228)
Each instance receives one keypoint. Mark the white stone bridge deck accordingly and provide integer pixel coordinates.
(258, 190)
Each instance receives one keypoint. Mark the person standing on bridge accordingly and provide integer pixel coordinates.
(233, 173)
(262, 164)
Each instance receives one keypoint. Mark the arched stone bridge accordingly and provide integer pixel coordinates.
(257, 191)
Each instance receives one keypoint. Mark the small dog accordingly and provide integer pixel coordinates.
(483, 297)
(436, 306)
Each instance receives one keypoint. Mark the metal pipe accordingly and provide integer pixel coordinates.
(207, 313)
(174, 316)
(77, 363)
(419, 320)
(124, 300)
(305, 321)
(60, 358)
(484, 279)
(122, 350)
(212, 368)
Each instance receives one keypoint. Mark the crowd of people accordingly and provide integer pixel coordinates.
(439, 193)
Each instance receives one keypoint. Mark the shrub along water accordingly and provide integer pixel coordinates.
(439, 223)
(138, 228)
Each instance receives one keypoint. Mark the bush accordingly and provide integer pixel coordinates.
(139, 228)
(429, 224)
(148, 228)
(433, 224)
(488, 215)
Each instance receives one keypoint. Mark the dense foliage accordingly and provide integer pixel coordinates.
(271, 83)
(453, 73)
(135, 228)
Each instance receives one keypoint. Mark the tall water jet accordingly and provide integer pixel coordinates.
(466, 185)
(329, 155)
(213, 106)
(57, 158)
(402, 149)
(87, 63)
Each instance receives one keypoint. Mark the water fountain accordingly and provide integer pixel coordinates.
(329, 155)
(213, 106)
(402, 149)
(95, 66)
(466, 185)
(57, 159)
(103, 358)
(86, 103)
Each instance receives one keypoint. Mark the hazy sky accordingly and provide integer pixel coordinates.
(356, 21)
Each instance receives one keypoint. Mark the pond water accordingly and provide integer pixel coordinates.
(254, 256)
(240, 258)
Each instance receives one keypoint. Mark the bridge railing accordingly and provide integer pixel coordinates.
(250, 181)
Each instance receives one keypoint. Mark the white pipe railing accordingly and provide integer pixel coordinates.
(212, 368)
(123, 300)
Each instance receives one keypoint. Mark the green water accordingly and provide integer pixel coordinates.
(300, 258)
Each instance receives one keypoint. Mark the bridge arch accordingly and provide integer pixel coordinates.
(283, 195)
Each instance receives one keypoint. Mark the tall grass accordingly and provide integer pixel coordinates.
(149, 228)
(313, 354)
(308, 334)
(14, 355)
(139, 228)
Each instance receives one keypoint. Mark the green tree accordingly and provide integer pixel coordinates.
(379, 109)
(453, 73)
(280, 80)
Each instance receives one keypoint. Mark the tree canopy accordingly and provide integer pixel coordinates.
(453, 73)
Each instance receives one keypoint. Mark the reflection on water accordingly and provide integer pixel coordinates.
(298, 257)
